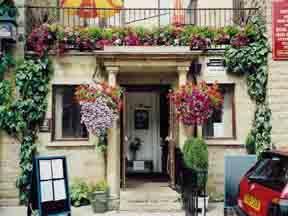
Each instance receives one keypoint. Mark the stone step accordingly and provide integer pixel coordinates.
(148, 206)
(155, 203)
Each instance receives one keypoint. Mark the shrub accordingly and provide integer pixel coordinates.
(101, 186)
(195, 154)
(79, 192)
(250, 144)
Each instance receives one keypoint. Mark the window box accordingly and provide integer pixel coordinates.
(149, 49)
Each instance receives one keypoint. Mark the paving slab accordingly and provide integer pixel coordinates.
(215, 209)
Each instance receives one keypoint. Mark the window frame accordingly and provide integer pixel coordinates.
(53, 138)
(234, 128)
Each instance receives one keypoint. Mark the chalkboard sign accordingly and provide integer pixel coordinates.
(141, 119)
(50, 191)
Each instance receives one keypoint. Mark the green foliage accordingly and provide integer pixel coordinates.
(21, 116)
(32, 80)
(252, 61)
(5, 92)
(5, 62)
(100, 186)
(102, 143)
(261, 130)
(94, 33)
(79, 192)
(231, 30)
(250, 144)
(195, 154)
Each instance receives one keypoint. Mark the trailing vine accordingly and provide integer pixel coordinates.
(252, 60)
(21, 116)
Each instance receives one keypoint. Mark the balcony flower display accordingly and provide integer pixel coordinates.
(40, 40)
(195, 103)
(61, 39)
(100, 106)
(199, 42)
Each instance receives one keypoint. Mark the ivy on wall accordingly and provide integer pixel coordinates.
(21, 115)
(252, 60)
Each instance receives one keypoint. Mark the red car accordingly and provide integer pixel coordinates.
(263, 191)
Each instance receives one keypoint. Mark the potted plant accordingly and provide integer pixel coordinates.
(99, 197)
(195, 104)
(195, 169)
(79, 192)
(134, 147)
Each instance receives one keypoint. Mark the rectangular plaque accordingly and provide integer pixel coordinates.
(141, 117)
(280, 29)
(138, 165)
(45, 126)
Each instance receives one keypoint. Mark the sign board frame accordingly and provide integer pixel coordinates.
(53, 180)
(279, 30)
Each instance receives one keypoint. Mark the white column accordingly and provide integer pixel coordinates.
(113, 150)
(182, 79)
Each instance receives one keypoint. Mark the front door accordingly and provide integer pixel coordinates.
(143, 123)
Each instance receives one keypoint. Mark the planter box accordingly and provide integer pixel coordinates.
(99, 202)
(148, 49)
(203, 201)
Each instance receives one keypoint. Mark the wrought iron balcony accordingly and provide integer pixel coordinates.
(192, 29)
(79, 17)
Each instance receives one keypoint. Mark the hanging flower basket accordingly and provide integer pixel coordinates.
(195, 104)
(100, 106)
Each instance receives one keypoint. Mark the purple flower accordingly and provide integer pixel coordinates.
(97, 116)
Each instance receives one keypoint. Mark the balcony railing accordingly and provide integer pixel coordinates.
(212, 17)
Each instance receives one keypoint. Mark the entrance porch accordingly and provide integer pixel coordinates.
(147, 78)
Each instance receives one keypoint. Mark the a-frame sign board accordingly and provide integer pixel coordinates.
(49, 189)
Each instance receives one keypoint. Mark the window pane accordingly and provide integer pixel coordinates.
(221, 122)
(67, 114)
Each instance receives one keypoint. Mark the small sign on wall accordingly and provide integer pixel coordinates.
(141, 118)
(280, 29)
(45, 126)
(138, 165)
(216, 65)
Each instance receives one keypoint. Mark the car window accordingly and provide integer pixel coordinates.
(271, 172)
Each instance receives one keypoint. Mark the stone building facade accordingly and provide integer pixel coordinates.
(149, 66)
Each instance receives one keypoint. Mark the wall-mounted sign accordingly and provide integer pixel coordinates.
(141, 118)
(216, 65)
(7, 31)
(280, 29)
(45, 126)
(138, 165)
(50, 193)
